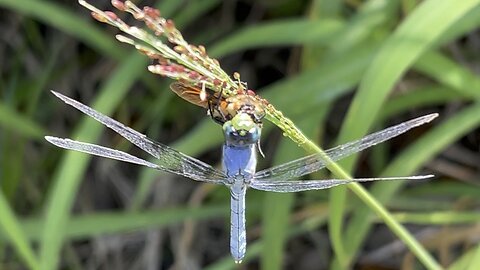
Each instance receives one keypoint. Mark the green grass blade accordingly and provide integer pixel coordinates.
(326, 8)
(338, 75)
(467, 23)
(449, 73)
(420, 98)
(275, 222)
(289, 32)
(12, 229)
(468, 261)
(64, 19)
(11, 120)
(371, 16)
(90, 225)
(475, 261)
(192, 10)
(438, 218)
(455, 189)
(414, 36)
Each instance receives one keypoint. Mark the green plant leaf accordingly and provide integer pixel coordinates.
(90, 225)
(11, 120)
(12, 229)
(67, 21)
(289, 32)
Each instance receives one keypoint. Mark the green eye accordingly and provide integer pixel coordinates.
(242, 122)
(241, 130)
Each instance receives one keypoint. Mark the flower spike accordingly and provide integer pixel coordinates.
(175, 58)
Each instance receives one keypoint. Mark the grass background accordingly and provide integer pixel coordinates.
(339, 69)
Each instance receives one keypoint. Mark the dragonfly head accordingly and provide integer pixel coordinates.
(241, 130)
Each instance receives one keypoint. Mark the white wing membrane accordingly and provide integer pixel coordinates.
(315, 162)
(170, 160)
(295, 186)
(100, 151)
(106, 152)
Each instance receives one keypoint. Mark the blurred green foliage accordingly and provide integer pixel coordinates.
(339, 69)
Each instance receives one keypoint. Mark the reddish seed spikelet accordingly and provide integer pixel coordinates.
(179, 69)
(202, 49)
(193, 75)
(99, 17)
(179, 49)
(111, 15)
(175, 57)
(151, 12)
(118, 5)
(161, 60)
(169, 25)
(153, 27)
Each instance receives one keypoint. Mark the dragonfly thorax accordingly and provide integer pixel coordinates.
(239, 163)
(242, 135)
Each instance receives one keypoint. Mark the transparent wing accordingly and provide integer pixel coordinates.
(295, 186)
(170, 160)
(315, 162)
(102, 151)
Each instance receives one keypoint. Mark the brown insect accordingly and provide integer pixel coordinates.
(219, 107)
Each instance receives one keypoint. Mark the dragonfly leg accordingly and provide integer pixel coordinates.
(213, 107)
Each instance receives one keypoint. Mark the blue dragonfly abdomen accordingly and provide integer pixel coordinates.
(239, 164)
(238, 232)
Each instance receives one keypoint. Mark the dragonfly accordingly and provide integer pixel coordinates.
(239, 162)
